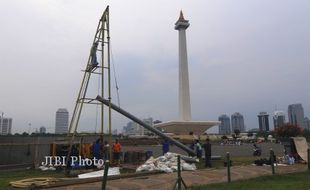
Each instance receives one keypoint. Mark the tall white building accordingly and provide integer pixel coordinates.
(296, 114)
(224, 127)
(148, 121)
(263, 121)
(306, 123)
(5, 125)
(132, 128)
(278, 119)
(62, 121)
(237, 122)
(42, 130)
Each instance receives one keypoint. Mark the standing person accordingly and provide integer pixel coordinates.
(106, 151)
(207, 148)
(198, 149)
(193, 142)
(116, 151)
(192, 145)
(96, 149)
(257, 150)
(165, 145)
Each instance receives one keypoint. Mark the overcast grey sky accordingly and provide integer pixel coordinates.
(246, 56)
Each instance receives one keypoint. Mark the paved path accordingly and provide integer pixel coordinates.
(199, 177)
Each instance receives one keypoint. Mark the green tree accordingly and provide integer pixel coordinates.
(289, 130)
(306, 134)
(25, 134)
(224, 137)
(237, 132)
(263, 134)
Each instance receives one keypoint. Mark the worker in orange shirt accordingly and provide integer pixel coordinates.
(116, 151)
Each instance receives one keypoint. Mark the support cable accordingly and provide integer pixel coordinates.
(115, 77)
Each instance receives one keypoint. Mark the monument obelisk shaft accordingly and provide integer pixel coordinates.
(184, 125)
(184, 96)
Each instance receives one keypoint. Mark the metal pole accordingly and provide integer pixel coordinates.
(143, 124)
(308, 162)
(179, 173)
(109, 79)
(105, 175)
(272, 161)
(35, 160)
(102, 69)
(76, 104)
(228, 166)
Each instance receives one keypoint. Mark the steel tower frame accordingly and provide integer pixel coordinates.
(101, 44)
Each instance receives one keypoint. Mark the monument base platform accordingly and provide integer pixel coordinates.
(185, 127)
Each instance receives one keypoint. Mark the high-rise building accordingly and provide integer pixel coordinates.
(306, 123)
(237, 122)
(263, 121)
(132, 128)
(296, 114)
(5, 126)
(148, 121)
(115, 132)
(62, 120)
(224, 127)
(278, 119)
(42, 130)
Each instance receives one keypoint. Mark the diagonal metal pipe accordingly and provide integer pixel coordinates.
(143, 124)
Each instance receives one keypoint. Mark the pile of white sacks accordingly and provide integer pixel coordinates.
(167, 163)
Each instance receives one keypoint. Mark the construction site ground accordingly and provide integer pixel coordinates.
(191, 178)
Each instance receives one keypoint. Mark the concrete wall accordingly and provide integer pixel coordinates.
(22, 150)
(27, 150)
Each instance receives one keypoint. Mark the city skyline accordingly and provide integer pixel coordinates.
(231, 58)
(277, 118)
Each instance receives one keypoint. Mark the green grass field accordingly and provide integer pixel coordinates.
(276, 182)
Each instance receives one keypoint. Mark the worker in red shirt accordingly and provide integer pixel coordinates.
(116, 152)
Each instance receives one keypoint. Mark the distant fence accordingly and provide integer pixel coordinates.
(30, 150)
